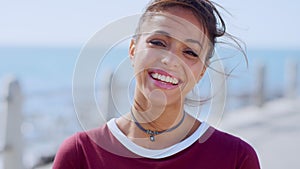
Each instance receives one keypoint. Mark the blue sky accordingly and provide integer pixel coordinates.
(260, 23)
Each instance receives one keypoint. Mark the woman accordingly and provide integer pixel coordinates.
(170, 52)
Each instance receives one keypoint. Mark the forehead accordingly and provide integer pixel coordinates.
(182, 26)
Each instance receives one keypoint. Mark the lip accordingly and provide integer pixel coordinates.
(162, 84)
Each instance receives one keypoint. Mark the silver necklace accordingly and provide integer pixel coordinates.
(152, 133)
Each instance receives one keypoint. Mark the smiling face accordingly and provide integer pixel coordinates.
(169, 56)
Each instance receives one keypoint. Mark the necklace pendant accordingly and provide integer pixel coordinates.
(152, 138)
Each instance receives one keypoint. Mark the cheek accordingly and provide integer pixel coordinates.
(142, 62)
(195, 76)
(144, 58)
(194, 70)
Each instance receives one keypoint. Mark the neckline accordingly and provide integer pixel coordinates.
(155, 154)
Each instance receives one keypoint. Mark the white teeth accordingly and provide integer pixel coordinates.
(164, 78)
(159, 76)
(155, 75)
(168, 79)
(175, 81)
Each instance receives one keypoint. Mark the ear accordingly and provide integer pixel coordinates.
(132, 49)
(202, 72)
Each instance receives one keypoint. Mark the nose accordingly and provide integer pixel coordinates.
(170, 58)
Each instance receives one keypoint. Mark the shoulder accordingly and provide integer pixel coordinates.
(70, 152)
(245, 155)
(218, 138)
(241, 145)
(67, 154)
(81, 138)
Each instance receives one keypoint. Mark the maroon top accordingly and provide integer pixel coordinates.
(219, 151)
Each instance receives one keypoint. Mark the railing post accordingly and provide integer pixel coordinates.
(259, 88)
(291, 75)
(12, 109)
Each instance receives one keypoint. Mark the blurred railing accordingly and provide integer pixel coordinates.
(290, 88)
(258, 95)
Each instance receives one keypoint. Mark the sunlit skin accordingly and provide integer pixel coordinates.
(175, 49)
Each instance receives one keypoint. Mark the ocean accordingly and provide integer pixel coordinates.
(45, 75)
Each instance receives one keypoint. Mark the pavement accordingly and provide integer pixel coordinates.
(273, 130)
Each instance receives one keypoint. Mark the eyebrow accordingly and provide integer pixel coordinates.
(162, 33)
(194, 41)
(169, 35)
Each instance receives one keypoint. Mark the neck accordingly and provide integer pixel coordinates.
(155, 113)
(158, 118)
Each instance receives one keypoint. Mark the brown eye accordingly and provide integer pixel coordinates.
(159, 43)
(191, 53)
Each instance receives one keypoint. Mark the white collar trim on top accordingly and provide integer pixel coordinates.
(155, 154)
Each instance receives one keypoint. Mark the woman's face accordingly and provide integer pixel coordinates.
(169, 55)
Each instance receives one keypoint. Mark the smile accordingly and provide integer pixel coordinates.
(164, 78)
